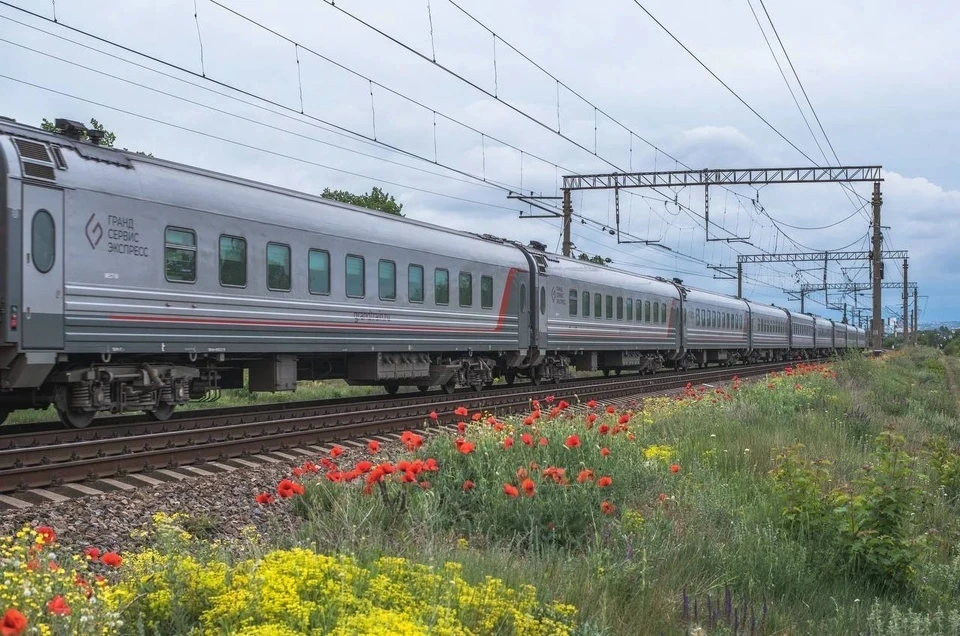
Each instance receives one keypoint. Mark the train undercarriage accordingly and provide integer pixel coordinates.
(157, 387)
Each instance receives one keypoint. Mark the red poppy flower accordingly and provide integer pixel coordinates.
(555, 411)
(608, 508)
(57, 605)
(431, 464)
(310, 467)
(468, 485)
(527, 439)
(425, 485)
(461, 411)
(592, 404)
(522, 473)
(287, 488)
(408, 477)
(572, 442)
(92, 553)
(508, 442)
(336, 451)
(433, 416)
(327, 464)
(411, 440)
(623, 419)
(373, 446)
(564, 405)
(467, 447)
(528, 421)
(264, 498)
(297, 471)
(510, 491)
(674, 468)
(49, 536)
(605, 451)
(476, 416)
(603, 482)
(611, 410)
(112, 559)
(13, 624)
(536, 414)
(585, 475)
(603, 429)
(662, 497)
(534, 466)
(498, 426)
(461, 427)
(544, 441)
(491, 420)
(364, 466)
(528, 487)
(591, 418)
(549, 399)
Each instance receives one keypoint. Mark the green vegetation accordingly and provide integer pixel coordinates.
(823, 499)
(376, 199)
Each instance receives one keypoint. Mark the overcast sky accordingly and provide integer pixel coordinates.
(882, 77)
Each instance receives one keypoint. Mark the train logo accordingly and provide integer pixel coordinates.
(556, 294)
(94, 231)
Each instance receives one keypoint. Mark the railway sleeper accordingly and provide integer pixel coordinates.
(79, 394)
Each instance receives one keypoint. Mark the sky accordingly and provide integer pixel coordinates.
(421, 99)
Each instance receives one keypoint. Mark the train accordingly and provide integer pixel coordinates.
(130, 283)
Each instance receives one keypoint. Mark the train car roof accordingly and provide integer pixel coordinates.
(592, 273)
(120, 173)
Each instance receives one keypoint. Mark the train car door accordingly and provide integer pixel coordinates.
(42, 297)
(539, 304)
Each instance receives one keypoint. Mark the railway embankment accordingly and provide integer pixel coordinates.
(823, 498)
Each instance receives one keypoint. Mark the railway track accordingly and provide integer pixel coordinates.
(40, 457)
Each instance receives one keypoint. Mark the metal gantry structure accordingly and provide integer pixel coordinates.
(748, 176)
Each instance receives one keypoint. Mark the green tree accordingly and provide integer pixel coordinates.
(376, 199)
(599, 260)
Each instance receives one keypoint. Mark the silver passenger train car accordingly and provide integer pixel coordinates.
(129, 283)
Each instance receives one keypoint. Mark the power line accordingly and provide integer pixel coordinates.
(250, 146)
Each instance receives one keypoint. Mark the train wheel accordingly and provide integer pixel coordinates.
(449, 387)
(391, 388)
(76, 419)
(535, 377)
(423, 388)
(163, 412)
(606, 373)
(510, 377)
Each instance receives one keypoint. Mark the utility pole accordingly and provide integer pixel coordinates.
(567, 218)
(906, 306)
(915, 312)
(740, 284)
(877, 326)
(803, 295)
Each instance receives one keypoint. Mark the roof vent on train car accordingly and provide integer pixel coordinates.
(537, 245)
(70, 128)
(35, 160)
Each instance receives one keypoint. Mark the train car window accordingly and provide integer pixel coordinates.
(609, 307)
(233, 261)
(43, 236)
(466, 289)
(646, 311)
(597, 306)
(387, 276)
(318, 272)
(486, 292)
(573, 302)
(629, 308)
(180, 255)
(697, 319)
(639, 309)
(415, 283)
(278, 267)
(586, 304)
(663, 313)
(619, 307)
(543, 301)
(441, 287)
(355, 275)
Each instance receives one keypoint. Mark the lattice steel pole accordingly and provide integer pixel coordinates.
(876, 328)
